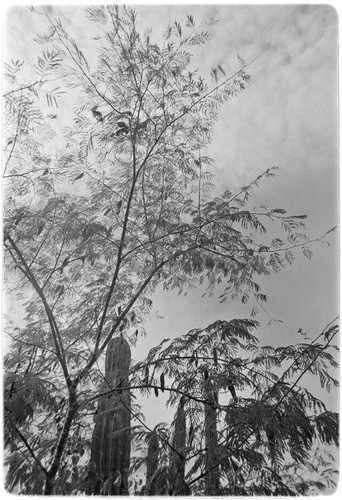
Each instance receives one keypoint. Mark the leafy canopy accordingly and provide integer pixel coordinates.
(269, 427)
(108, 195)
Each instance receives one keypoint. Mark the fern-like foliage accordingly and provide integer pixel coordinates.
(103, 204)
(266, 420)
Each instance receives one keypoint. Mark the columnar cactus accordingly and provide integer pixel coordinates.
(212, 481)
(152, 456)
(110, 450)
(179, 453)
(152, 463)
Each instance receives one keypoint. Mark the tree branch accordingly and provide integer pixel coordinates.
(26, 443)
(53, 325)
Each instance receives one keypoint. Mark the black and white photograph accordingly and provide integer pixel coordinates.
(170, 261)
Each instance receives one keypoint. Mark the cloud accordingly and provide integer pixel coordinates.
(289, 107)
(288, 114)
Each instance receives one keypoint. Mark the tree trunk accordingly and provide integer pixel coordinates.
(52, 472)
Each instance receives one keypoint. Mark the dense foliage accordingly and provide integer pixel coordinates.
(269, 424)
(96, 216)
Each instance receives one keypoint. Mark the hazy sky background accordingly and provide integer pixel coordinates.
(287, 117)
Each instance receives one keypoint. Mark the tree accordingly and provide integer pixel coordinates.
(93, 226)
(256, 442)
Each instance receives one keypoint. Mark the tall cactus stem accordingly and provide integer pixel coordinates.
(111, 440)
(179, 453)
(212, 480)
(152, 456)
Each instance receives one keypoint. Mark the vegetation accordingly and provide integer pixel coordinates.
(92, 227)
(251, 442)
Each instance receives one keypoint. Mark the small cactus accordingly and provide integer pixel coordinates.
(110, 449)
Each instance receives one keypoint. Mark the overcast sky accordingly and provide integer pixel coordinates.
(287, 117)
